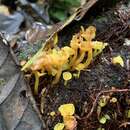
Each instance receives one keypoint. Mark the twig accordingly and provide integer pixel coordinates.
(124, 124)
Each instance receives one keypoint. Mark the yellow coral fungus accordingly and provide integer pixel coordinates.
(77, 56)
(67, 76)
(89, 33)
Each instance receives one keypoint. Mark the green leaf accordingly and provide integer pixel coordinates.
(73, 2)
(58, 14)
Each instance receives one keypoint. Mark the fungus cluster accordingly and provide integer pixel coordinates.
(77, 56)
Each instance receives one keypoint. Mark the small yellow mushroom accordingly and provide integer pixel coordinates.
(98, 47)
(52, 113)
(67, 109)
(59, 126)
(118, 60)
(67, 76)
(113, 100)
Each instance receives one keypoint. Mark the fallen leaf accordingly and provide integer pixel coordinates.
(16, 108)
(10, 24)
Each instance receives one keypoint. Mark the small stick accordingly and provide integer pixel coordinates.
(124, 124)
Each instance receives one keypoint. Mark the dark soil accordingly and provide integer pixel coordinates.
(101, 75)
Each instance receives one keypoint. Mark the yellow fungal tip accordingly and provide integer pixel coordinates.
(67, 75)
(118, 60)
(80, 66)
